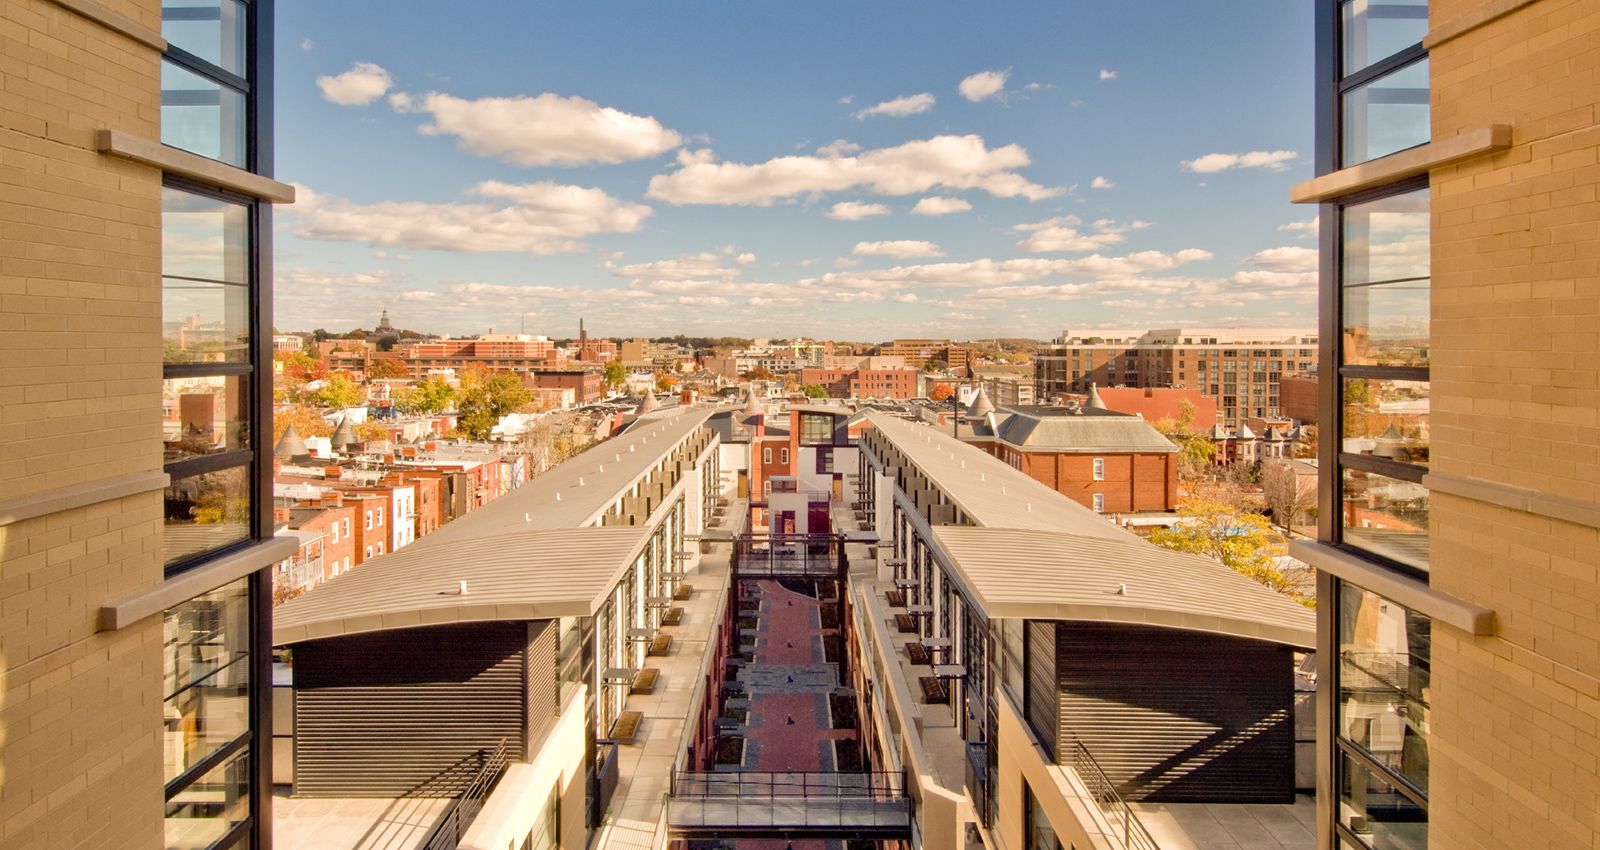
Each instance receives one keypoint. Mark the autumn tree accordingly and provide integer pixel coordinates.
(381, 368)
(615, 375)
(306, 422)
(813, 391)
(426, 398)
(1288, 494)
(553, 438)
(942, 392)
(1244, 542)
(339, 391)
(483, 400)
(1196, 452)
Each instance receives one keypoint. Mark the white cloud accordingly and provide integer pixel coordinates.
(745, 259)
(855, 211)
(1213, 162)
(940, 206)
(990, 272)
(1289, 258)
(1107, 74)
(952, 162)
(1307, 227)
(903, 249)
(703, 266)
(532, 218)
(545, 130)
(1102, 183)
(846, 100)
(1061, 234)
(839, 147)
(359, 86)
(306, 44)
(900, 107)
(1032, 87)
(984, 84)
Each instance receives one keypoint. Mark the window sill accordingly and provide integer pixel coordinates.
(1407, 163)
(208, 171)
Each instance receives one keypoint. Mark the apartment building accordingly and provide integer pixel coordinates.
(917, 353)
(1456, 543)
(1240, 369)
(865, 383)
(136, 569)
(490, 352)
(1007, 389)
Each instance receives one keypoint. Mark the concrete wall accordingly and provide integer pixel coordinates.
(520, 798)
(1516, 404)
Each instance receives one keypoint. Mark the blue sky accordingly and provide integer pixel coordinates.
(753, 168)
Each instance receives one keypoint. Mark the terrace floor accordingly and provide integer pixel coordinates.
(1239, 826)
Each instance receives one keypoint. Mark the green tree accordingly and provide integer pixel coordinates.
(1196, 451)
(615, 374)
(813, 391)
(483, 400)
(1244, 542)
(425, 398)
(338, 391)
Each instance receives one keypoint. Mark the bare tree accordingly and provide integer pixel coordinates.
(1286, 492)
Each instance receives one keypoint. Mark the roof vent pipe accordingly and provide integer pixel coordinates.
(461, 588)
(1122, 590)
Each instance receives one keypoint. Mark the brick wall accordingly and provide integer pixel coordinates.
(1133, 482)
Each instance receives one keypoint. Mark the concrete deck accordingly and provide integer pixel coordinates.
(1196, 826)
(636, 819)
(352, 824)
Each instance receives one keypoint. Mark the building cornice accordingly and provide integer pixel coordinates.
(208, 171)
(1395, 167)
(1416, 595)
(125, 611)
(115, 21)
(27, 507)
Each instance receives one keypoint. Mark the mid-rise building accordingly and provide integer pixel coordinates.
(137, 527)
(1458, 671)
(1240, 369)
(491, 352)
(918, 353)
(865, 383)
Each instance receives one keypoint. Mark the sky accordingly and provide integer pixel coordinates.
(855, 171)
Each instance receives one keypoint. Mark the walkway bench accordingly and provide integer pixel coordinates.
(626, 727)
(918, 654)
(660, 645)
(645, 681)
(673, 617)
(683, 592)
(933, 690)
(905, 623)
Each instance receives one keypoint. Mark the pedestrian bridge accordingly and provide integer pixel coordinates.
(815, 805)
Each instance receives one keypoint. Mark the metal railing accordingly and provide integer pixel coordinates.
(789, 556)
(458, 816)
(1116, 810)
(789, 801)
(605, 781)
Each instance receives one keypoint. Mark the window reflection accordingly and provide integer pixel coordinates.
(206, 675)
(201, 116)
(1384, 681)
(1386, 115)
(201, 814)
(205, 299)
(1377, 29)
(1379, 814)
(1385, 276)
(1386, 516)
(205, 512)
(1387, 419)
(201, 416)
(213, 30)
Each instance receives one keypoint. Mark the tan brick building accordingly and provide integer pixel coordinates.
(135, 525)
(1460, 523)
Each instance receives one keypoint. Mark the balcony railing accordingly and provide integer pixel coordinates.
(829, 803)
(789, 556)
(458, 816)
(1124, 824)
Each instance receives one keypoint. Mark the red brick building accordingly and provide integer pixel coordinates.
(586, 386)
(865, 383)
(492, 353)
(1109, 462)
(1158, 403)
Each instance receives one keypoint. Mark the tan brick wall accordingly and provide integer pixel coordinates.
(1516, 400)
(80, 313)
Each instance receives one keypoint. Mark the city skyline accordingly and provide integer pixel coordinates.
(944, 174)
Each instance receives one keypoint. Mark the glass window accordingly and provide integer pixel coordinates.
(213, 30)
(1385, 676)
(1377, 29)
(206, 679)
(205, 297)
(1040, 835)
(201, 116)
(201, 814)
(1376, 811)
(1386, 516)
(1386, 115)
(1099, 469)
(1387, 419)
(206, 415)
(1385, 274)
(205, 512)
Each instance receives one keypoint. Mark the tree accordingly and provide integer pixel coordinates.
(813, 391)
(483, 400)
(942, 392)
(338, 391)
(1244, 542)
(760, 373)
(615, 374)
(1288, 494)
(306, 422)
(381, 368)
(553, 438)
(426, 398)
(1196, 452)
(665, 383)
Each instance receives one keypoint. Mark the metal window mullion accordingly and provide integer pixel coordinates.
(1382, 466)
(1382, 68)
(213, 759)
(205, 370)
(1371, 763)
(189, 467)
(216, 74)
(1384, 373)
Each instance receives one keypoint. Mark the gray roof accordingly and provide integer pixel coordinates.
(1043, 575)
(981, 405)
(520, 575)
(648, 403)
(1081, 433)
(1094, 400)
(345, 434)
(290, 444)
(1245, 433)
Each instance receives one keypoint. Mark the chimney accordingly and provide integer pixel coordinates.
(333, 471)
(280, 515)
(332, 499)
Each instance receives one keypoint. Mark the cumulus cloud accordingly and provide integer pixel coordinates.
(1061, 234)
(903, 249)
(359, 86)
(839, 147)
(940, 206)
(545, 130)
(855, 211)
(1107, 74)
(1211, 163)
(306, 44)
(702, 266)
(532, 218)
(1289, 258)
(1307, 227)
(990, 272)
(846, 100)
(983, 85)
(745, 259)
(1102, 183)
(950, 162)
(900, 107)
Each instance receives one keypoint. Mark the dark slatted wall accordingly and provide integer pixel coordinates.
(540, 668)
(1043, 704)
(1179, 716)
(406, 711)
